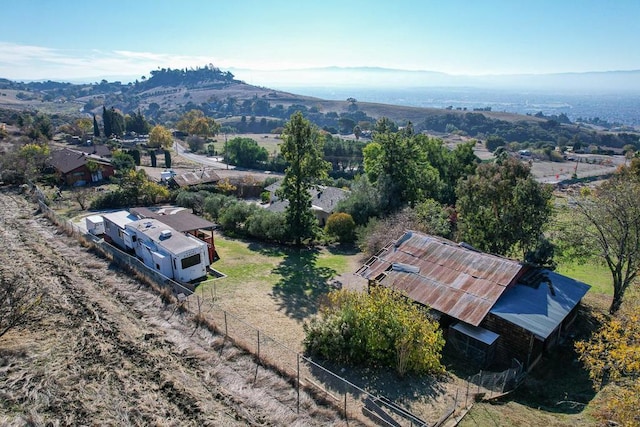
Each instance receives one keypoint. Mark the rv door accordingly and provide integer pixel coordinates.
(128, 241)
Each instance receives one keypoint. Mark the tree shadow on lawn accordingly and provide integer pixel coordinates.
(267, 249)
(302, 283)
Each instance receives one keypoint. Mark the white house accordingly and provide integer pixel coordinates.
(176, 255)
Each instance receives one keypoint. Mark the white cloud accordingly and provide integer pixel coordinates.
(25, 62)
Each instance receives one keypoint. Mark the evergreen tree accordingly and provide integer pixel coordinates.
(106, 122)
(302, 150)
(96, 128)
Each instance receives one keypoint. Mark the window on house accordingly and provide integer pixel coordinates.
(190, 261)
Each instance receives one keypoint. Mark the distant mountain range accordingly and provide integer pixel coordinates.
(612, 99)
(592, 82)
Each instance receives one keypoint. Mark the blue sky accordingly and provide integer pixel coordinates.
(74, 40)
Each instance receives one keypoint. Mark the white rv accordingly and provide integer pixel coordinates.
(176, 255)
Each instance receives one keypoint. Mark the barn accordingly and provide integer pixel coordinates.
(493, 309)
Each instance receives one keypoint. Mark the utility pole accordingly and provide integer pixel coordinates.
(225, 150)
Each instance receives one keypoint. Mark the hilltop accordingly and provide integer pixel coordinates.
(168, 93)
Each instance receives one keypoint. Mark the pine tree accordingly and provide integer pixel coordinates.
(96, 128)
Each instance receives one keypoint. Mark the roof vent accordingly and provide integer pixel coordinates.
(165, 234)
(405, 268)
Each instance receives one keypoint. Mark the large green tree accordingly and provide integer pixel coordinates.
(160, 137)
(245, 152)
(408, 168)
(302, 150)
(502, 209)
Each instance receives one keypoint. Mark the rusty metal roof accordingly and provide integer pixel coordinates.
(443, 275)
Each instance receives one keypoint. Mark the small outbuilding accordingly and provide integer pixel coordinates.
(95, 224)
(493, 309)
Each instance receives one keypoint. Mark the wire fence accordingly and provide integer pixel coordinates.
(309, 378)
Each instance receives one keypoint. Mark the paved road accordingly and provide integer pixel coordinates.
(213, 162)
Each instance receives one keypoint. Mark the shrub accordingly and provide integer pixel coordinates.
(265, 197)
(381, 328)
(235, 215)
(215, 204)
(110, 200)
(341, 226)
(266, 225)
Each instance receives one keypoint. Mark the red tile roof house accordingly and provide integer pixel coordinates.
(71, 167)
(493, 309)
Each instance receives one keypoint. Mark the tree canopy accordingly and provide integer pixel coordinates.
(302, 150)
(407, 168)
(160, 137)
(194, 122)
(245, 152)
(502, 209)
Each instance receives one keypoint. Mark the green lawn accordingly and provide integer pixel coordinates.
(273, 288)
(592, 273)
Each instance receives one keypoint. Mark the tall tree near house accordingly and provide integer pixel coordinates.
(611, 226)
(106, 122)
(502, 209)
(96, 128)
(302, 150)
(396, 161)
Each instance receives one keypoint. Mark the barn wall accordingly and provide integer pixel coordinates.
(514, 341)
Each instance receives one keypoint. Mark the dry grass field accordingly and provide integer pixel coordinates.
(102, 349)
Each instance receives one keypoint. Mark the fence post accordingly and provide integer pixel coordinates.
(466, 396)
(346, 417)
(226, 330)
(298, 382)
(258, 345)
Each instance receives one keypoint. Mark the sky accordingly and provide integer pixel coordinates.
(71, 40)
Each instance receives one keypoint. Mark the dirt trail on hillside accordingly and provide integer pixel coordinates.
(104, 350)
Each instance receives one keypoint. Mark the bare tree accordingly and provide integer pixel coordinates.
(18, 299)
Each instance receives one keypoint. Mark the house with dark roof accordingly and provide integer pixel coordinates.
(98, 150)
(324, 200)
(189, 179)
(77, 168)
(492, 309)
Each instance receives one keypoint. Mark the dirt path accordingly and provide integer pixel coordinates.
(104, 350)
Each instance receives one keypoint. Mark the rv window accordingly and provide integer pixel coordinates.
(190, 261)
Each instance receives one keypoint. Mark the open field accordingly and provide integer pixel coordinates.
(102, 349)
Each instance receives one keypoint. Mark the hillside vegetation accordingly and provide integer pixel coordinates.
(169, 93)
